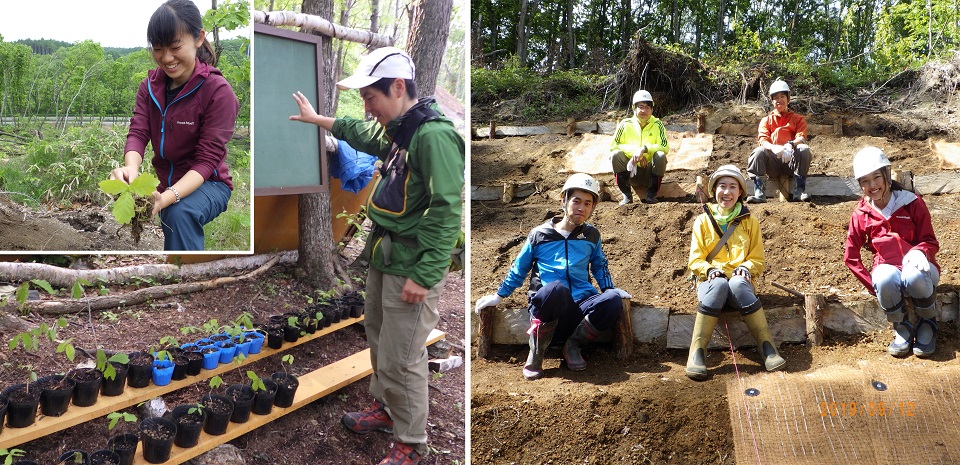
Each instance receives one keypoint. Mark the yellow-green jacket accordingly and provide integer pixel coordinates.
(630, 137)
(743, 248)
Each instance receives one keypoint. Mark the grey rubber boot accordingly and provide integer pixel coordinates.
(696, 361)
(799, 192)
(584, 334)
(758, 195)
(539, 341)
(757, 322)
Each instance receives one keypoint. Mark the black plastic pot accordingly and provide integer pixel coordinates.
(104, 457)
(242, 397)
(125, 445)
(287, 385)
(55, 394)
(219, 409)
(335, 312)
(291, 333)
(194, 362)
(308, 321)
(263, 400)
(22, 405)
(114, 387)
(180, 367)
(157, 435)
(87, 389)
(3, 410)
(275, 338)
(74, 457)
(189, 424)
(356, 305)
(140, 370)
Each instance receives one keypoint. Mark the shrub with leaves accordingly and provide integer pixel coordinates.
(133, 201)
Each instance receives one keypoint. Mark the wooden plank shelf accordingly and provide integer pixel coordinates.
(12, 437)
(314, 385)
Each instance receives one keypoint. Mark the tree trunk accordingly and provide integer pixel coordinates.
(675, 22)
(571, 47)
(427, 40)
(522, 33)
(626, 13)
(374, 16)
(338, 59)
(318, 265)
(719, 40)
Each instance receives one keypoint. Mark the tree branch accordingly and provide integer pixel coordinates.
(321, 25)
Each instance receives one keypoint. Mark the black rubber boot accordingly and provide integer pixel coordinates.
(651, 197)
(585, 333)
(623, 183)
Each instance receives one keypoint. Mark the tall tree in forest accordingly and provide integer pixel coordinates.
(522, 32)
(427, 40)
(317, 261)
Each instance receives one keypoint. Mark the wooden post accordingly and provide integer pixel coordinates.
(493, 130)
(624, 332)
(571, 126)
(783, 188)
(813, 306)
(701, 123)
(904, 177)
(838, 126)
(508, 190)
(485, 332)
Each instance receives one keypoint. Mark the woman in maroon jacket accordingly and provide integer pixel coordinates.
(187, 110)
(894, 224)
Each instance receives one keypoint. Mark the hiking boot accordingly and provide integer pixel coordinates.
(925, 343)
(401, 454)
(374, 418)
(903, 335)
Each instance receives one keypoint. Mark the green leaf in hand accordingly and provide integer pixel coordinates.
(123, 208)
(114, 186)
(144, 185)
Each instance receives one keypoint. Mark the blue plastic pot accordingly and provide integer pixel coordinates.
(211, 359)
(242, 347)
(256, 341)
(162, 372)
(227, 351)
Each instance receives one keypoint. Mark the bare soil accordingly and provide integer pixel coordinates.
(643, 409)
(80, 228)
(311, 434)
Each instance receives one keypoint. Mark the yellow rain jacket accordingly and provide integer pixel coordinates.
(743, 248)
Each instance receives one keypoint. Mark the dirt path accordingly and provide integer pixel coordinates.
(645, 410)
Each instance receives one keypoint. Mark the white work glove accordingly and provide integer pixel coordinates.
(623, 294)
(777, 150)
(632, 167)
(917, 259)
(787, 154)
(491, 300)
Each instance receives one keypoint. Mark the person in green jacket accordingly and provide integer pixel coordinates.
(415, 207)
(639, 150)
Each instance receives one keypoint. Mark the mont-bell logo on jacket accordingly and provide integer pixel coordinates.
(188, 123)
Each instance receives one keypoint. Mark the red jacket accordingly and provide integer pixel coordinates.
(190, 133)
(778, 128)
(908, 228)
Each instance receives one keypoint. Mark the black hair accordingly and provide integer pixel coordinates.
(383, 85)
(175, 17)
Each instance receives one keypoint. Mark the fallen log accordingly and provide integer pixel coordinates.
(139, 296)
(65, 277)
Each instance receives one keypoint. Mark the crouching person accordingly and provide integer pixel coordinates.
(565, 307)
(726, 254)
(894, 224)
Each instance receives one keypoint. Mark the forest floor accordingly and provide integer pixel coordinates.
(311, 434)
(80, 228)
(643, 409)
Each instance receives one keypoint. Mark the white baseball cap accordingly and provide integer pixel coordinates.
(386, 62)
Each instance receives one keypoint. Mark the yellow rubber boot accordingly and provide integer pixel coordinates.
(757, 323)
(696, 361)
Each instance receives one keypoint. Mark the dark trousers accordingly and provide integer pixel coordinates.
(554, 301)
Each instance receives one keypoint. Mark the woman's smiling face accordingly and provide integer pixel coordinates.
(727, 192)
(178, 59)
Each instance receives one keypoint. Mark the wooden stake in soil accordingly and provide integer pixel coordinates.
(493, 130)
(485, 332)
(813, 305)
(571, 126)
(904, 177)
(624, 332)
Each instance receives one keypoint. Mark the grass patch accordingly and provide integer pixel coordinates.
(231, 230)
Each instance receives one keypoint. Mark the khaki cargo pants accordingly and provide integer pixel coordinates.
(397, 333)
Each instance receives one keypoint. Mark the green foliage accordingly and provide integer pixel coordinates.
(255, 382)
(123, 207)
(231, 230)
(215, 382)
(105, 365)
(10, 454)
(115, 418)
(551, 97)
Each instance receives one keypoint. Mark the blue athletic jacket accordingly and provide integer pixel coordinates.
(557, 258)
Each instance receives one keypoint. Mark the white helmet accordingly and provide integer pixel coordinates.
(868, 160)
(778, 86)
(727, 170)
(642, 96)
(583, 182)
